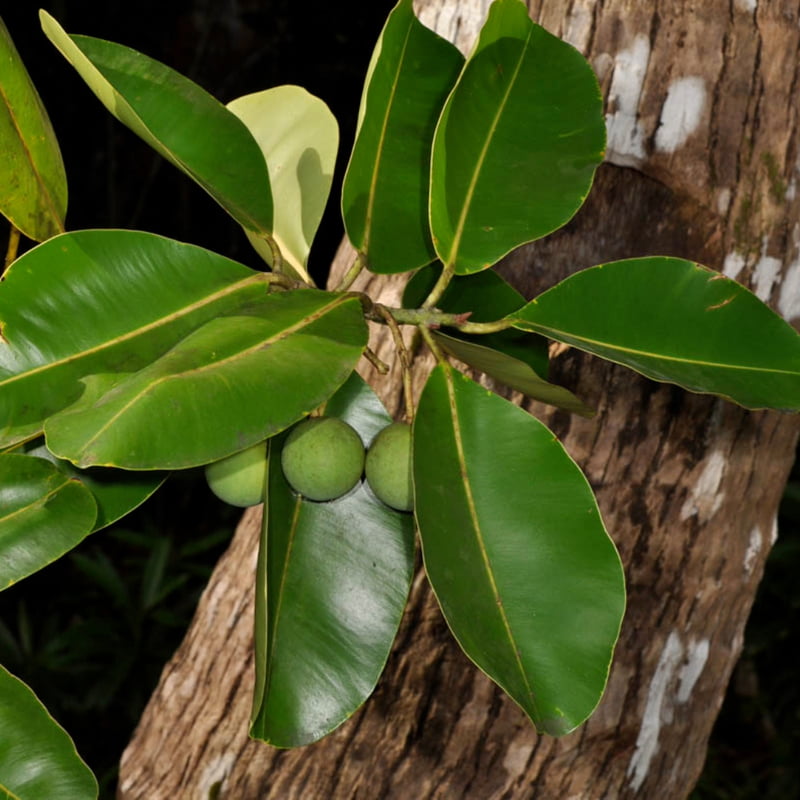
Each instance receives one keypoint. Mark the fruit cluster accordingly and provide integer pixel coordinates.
(322, 458)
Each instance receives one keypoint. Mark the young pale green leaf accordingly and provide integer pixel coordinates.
(43, 514)
(116, 492)
(332, 583)
(231, 383)
(515, 549)
(103, 302)
(677, 321)
(514, 373)
(487, 297)
(37, 758)
(517, 144)
(33, 184)
(299, 137)
(178, 119)
(385, 192)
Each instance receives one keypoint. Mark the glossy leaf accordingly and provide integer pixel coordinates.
(102, 302)
(332, 585)
(515, 549)
(517, 144)
(299, 137)
(177, 118)
(33, 184)
(514, 373)
(37, 758)
(487, 297)
(674, 320)
(231, 383)
(385, 192)
(116, 492)
(43, 514)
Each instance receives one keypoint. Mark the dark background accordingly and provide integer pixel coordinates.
(229, 47)
(91, 632)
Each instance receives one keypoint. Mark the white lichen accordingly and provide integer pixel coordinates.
(657, 711)
(676, 664)
(754, 546)
(765, 274)
(789, 296)
(681, 113)
(705, 498)
(733, 265)
(723, 200)
(625, 136)
(696, 657)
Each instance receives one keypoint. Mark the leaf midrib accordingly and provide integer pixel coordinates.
(140, 331)
(41, 500)
(573, 338)
(150, 386)
(479, 163)
(165, 150)
(373, 188)
(473, 514)
(273, 638)
(44, 191)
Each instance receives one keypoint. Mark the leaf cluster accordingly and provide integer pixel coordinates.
(125, 355)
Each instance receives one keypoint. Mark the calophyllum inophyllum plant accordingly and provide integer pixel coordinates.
(135, 355)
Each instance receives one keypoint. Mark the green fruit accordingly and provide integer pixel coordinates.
(240, 479)
(322, 458)
(388, 466)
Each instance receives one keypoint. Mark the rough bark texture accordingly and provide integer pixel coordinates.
(702, 110)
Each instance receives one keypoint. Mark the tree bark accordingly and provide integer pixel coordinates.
(702, 103)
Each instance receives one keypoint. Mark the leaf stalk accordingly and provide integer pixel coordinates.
(13, 246)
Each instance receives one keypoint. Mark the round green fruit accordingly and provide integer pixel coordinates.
(239, 479)
(388, 466)
(322, 458)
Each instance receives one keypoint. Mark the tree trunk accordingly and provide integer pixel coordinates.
(702, 103)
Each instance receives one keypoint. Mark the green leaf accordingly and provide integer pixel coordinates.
(385, 192)
(514, 373)
(231, 383)
(116, 492)
(43, 514)
(299, 138)
(517, 144)
(176, 118)
(103, 302)
(515, 549)
(677, 321)
(37, 758)
(487, 297)
(333, 579)
(33, 184)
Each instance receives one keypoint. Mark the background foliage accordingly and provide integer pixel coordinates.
(91, 632)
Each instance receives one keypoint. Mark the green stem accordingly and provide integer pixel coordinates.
(277, 256)
(438, 290)
(279, 266)
(431, 318)
(405, 360)
(431, 342)
(381, 366)
(284, 281)
(349, 277)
